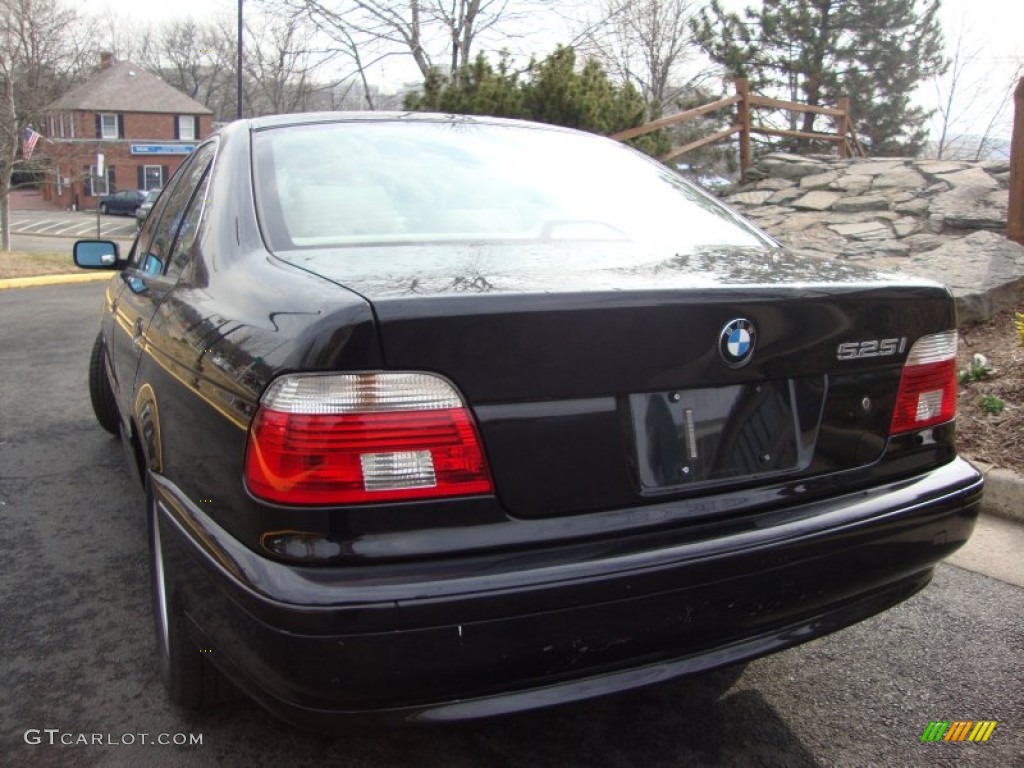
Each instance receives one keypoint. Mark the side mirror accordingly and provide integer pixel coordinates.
(96, 254)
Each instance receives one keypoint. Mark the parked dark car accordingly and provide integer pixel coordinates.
(146, 206)
(125, 203)
(446, 417)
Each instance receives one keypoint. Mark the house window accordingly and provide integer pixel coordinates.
(152, 177)
(108, 126)
(186, 127)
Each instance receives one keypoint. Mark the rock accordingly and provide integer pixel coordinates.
(906, 226)
(980, 219)
(892, 248)
(798, 222)
(935, 222)
(1003, 179)
(972, 177)
(995, 166)
(852, 183)
(775, 184)
(863, 231)
(971, 207)
(876, 167)
(934, 167)
(915, 207)
(862, 203)
(817, 201)
(795, 170)
(784, 196)
(984, 270)
(778, 158)
(923, 242)
(749, 198)
(818, 180)
(901, 178)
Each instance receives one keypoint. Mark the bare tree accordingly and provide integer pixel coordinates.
(282, 70)
(648, 43)
(37, 60)
(972, 104)
(435, 34)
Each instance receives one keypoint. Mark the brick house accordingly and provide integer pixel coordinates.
(143, 127)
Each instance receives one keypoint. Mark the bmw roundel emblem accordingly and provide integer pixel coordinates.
(736, 342)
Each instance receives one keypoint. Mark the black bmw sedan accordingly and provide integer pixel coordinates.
(446, 417)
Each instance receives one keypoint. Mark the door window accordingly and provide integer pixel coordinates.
(153, 248)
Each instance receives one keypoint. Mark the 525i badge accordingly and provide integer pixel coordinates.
(857, 350)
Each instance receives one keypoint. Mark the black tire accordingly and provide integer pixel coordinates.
(103, 208)
(100, 392)
(191, 681)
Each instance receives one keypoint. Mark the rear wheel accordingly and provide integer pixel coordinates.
(191, 680)
(100, 392)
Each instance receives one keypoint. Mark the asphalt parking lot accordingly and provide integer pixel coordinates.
(72, 224)
(78, 663)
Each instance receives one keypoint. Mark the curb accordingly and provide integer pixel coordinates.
(1004, 492)
(30, 282)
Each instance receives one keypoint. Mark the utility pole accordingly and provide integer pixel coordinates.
(239, 84)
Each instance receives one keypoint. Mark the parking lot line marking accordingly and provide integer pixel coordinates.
(48, 225)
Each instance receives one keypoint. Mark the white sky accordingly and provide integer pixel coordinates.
(993, 30)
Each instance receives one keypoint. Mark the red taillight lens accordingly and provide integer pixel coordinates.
(927, 393)
(363, 438)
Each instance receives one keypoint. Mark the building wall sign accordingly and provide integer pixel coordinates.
(162, 149)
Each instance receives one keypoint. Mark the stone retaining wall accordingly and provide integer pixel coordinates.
(931, 218)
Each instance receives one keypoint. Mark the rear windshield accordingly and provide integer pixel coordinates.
(381, 182)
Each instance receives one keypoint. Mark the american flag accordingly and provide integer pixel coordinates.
(28, 142)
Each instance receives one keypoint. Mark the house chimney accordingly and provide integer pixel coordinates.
(106, 60)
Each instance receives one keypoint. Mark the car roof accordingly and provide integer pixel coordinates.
(309, 118)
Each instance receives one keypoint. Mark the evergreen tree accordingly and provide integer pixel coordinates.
(814, 51)
(552, 90)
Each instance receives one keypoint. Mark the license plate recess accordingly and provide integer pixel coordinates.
(720, 434)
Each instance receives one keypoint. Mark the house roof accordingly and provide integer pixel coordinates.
(126, 87)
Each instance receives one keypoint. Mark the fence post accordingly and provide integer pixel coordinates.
(743, 118)
(843, 129)
(1015, 214)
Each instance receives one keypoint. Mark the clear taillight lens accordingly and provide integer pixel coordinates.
(927, 393)
(363, 438)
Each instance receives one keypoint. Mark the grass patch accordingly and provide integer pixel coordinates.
(33, 264)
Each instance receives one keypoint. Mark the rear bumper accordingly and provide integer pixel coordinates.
(485, 638)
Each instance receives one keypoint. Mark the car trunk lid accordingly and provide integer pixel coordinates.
(601, 387)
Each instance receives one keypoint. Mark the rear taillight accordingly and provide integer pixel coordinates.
(363, 438)
(928, 386)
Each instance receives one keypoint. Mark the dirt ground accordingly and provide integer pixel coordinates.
(996, 438)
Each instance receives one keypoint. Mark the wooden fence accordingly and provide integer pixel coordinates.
(1015, 214)
(845, 138)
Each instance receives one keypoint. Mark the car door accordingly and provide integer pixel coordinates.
(146, 281)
